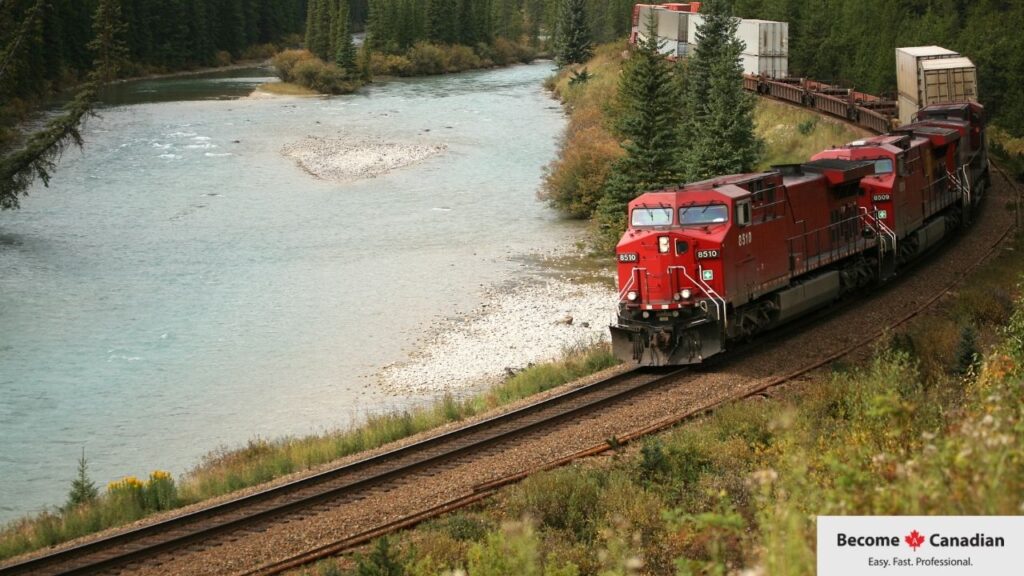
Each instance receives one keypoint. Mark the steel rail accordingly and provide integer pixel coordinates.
(156, 538)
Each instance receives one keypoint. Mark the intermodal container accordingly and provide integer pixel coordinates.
(764, 37)
(908, 67)
(770, 66)
(672, 25)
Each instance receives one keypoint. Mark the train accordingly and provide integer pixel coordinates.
(708, 264)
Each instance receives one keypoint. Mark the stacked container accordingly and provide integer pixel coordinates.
(932, 75)
(766, 50)
(766, 47)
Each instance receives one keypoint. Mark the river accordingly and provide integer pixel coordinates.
(183, 286)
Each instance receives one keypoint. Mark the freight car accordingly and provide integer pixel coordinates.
(865, 110)
(713, 262)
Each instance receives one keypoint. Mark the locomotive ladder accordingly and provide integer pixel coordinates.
(886, 239)
(962, 185)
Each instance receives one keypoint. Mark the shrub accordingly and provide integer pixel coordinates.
(426, 58)
(389, 64)
(462, 58)
(260, 52)
(286, 61)
(222, 58)
(575, 181)
(565, 499)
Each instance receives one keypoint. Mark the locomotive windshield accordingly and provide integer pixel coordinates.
(883, 166)
(647, 216)
(703, 215)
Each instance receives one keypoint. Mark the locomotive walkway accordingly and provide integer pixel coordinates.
(303, 519)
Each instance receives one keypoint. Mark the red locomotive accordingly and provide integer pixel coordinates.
(717, 261)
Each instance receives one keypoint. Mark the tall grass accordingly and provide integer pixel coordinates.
(263, 460)
(793, 134)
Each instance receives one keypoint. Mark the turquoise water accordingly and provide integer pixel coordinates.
(182, 286)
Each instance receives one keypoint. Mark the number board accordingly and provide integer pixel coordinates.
(707, 254)
(629, 257)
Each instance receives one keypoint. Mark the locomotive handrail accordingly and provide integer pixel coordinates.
(880, 225)
(632, 280)
(723, 311)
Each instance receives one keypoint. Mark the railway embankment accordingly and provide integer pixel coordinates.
(925, 420)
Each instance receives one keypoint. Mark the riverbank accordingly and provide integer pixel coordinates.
(517, 326)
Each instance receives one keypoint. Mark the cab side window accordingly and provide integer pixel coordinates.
(743, 213)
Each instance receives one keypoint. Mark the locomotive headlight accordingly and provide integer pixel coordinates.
(631, 296)
(663, 244)
(686, 293)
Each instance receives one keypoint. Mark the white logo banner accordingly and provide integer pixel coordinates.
(932, 545)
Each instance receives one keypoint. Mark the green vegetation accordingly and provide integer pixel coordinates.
(938, 429)
(129, 499)
(302, 68)
(792, 134)
(573, 34)
(673, 122)
(578, 179)
(717, 128)
(648, 124)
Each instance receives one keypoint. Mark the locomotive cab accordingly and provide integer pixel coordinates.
(672, 273)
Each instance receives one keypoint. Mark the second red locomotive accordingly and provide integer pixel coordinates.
(721, 260)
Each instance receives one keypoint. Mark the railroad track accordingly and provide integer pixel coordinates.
(308, 496)
(333, 486)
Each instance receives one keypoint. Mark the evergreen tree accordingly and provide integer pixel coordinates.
(318, 28)
(573, 38)
(718, 126)
(83, 489)
(38, 157)
(345, 51)
(648, 123)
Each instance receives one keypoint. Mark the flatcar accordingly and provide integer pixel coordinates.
(710, 263)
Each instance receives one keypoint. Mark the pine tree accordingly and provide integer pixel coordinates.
(718, 125)
(345, 50)
(38, 157)
(83, 489)
(648, 97)
(573, 38)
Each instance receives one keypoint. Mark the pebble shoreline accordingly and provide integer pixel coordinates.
(345, 160)
(536, 320)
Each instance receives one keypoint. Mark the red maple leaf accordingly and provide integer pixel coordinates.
(914, 539)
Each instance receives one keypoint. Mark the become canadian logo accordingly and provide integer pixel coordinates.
(915, 540)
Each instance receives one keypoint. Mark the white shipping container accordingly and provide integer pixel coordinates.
(770, 66)
(642, 20)
(764, 37)
(908, 67)
(908, 108)
(691, 27)
(947, 80)
(672, 25)
(666, 46)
